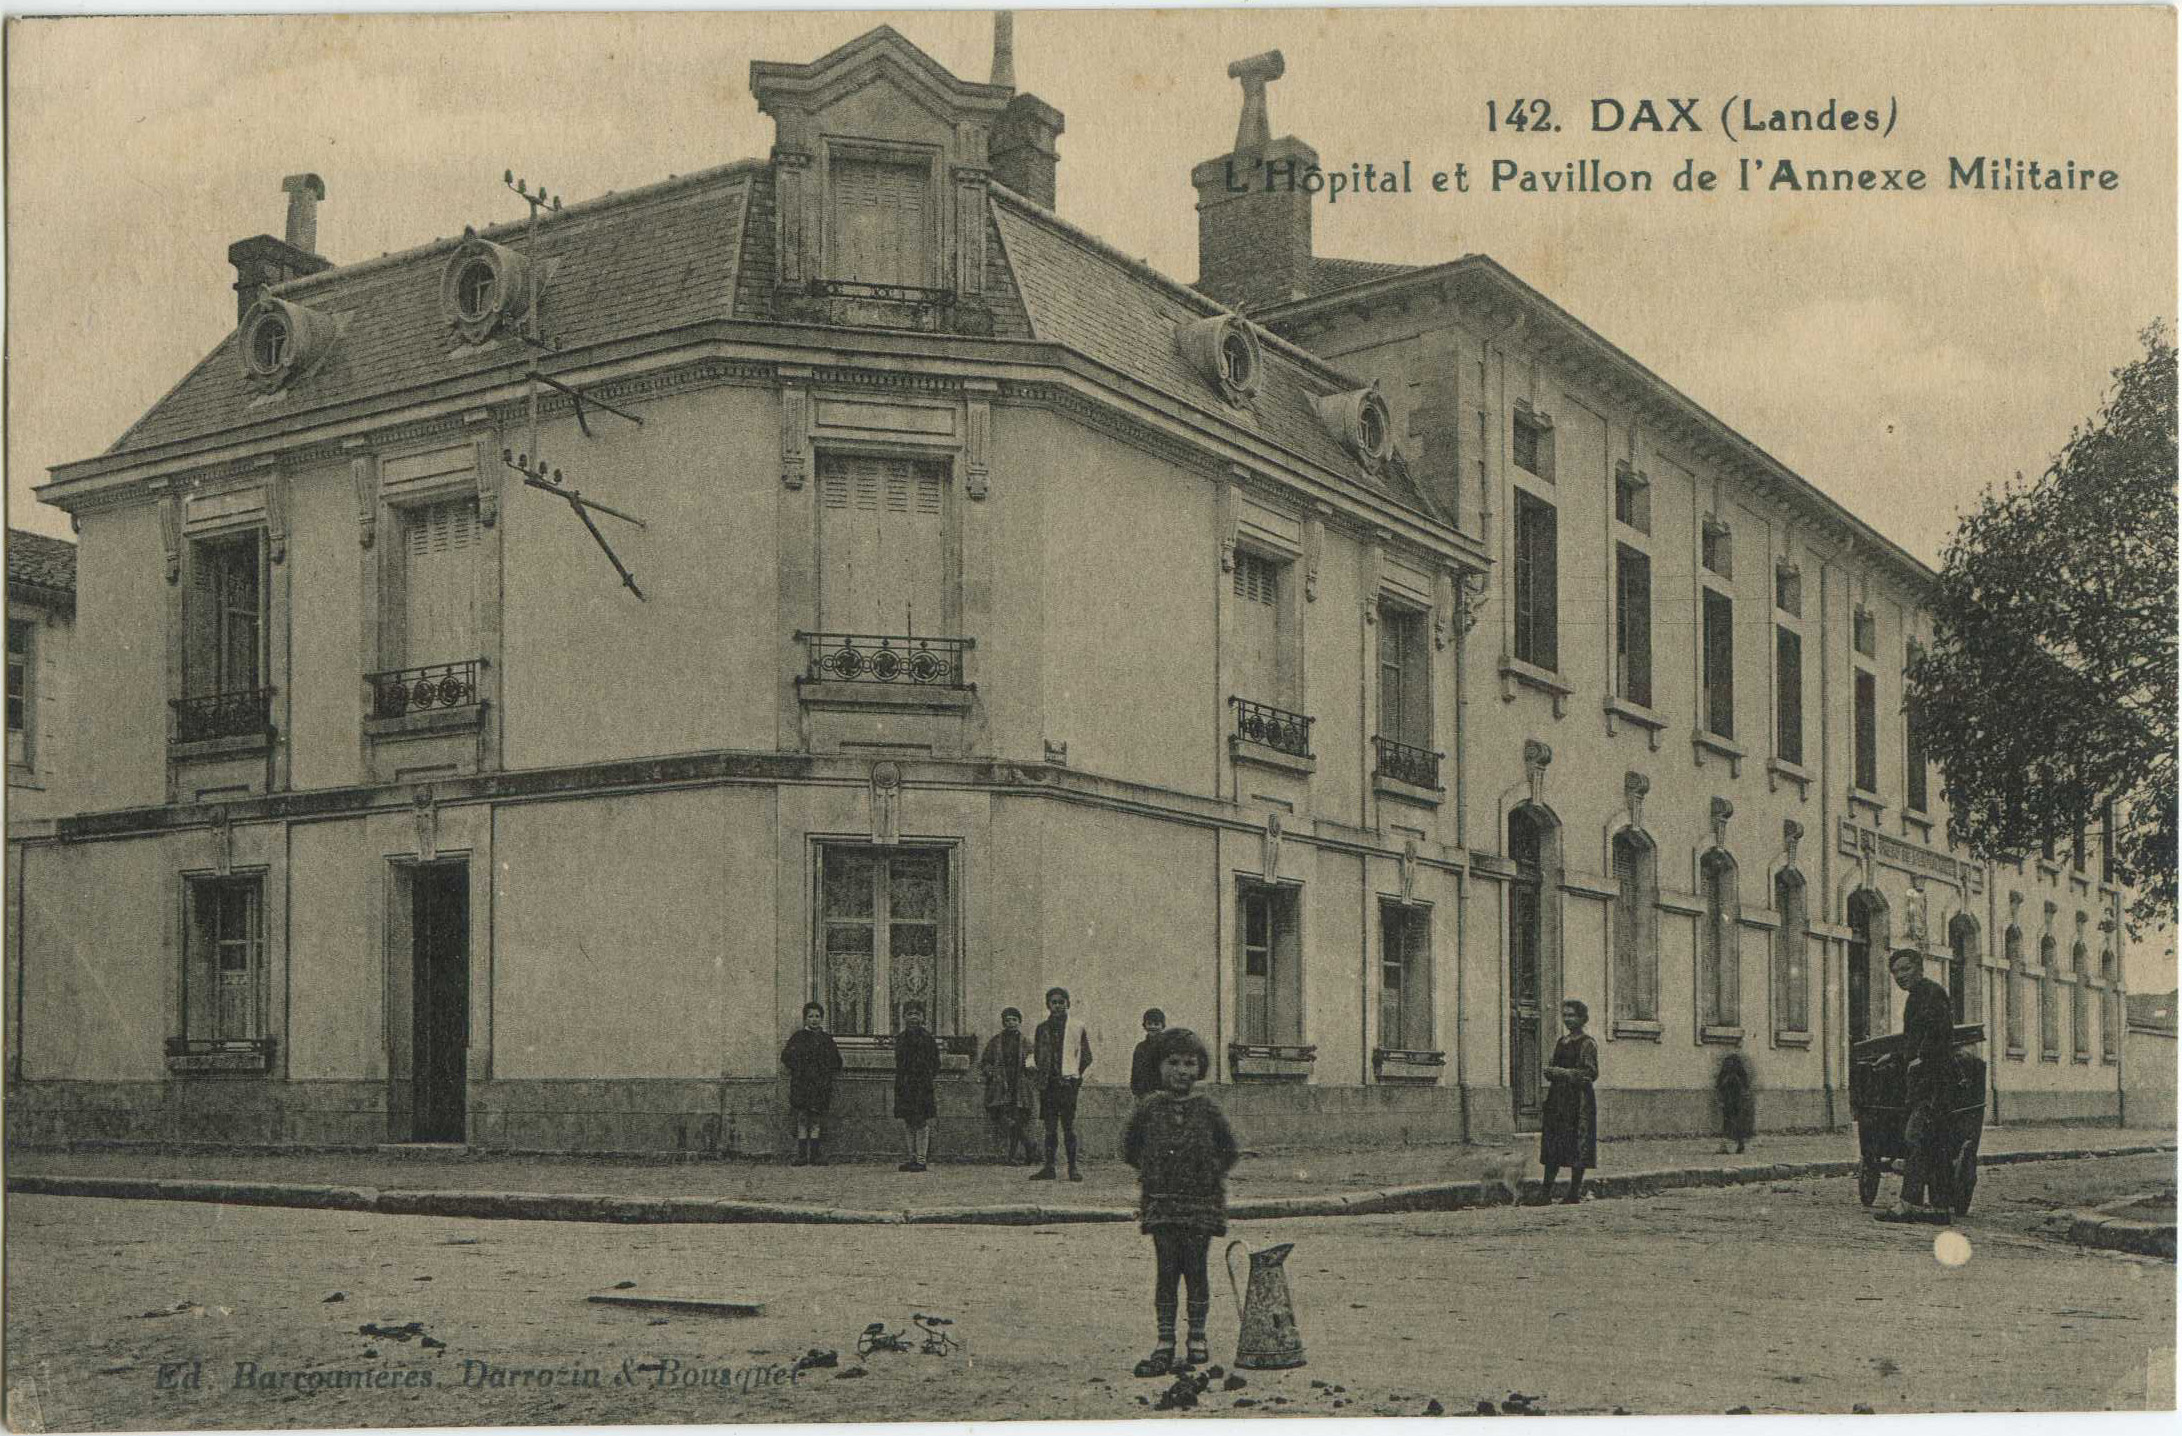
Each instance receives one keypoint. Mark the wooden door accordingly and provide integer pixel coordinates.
(440, 1036)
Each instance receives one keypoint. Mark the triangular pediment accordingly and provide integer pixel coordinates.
(878, 56)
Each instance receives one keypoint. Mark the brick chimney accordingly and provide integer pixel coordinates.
(1253, 212)
(1022, 150)
(262, 260)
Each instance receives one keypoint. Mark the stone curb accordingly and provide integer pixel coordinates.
(2092, 1229)
(2103, 1229)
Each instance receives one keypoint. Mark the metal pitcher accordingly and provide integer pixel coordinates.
(1269, 1338)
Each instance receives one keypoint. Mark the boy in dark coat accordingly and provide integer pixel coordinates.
(916, 1075)
(1144, 1062)
(1004, 1066)
(811, 1059)
(1060, 1081)
(1182, 1148)
(1928, 1032)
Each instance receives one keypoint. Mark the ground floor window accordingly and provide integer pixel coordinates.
(1269, 976)
(1791, 956)
(2109, 1024)
(885, 937)
(223, 977)
(1405, 977)
(2049, 1018)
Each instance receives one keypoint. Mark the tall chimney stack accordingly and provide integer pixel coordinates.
(1022, 151)
(1253, 209)
(263, 260)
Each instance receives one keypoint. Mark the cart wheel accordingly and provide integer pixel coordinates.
(1965, 1178)
(1867, 1183)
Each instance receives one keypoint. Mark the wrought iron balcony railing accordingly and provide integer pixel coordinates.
(400, 691)
(1419, 767)
(245, 713)
(883, 658)
(1276, 728)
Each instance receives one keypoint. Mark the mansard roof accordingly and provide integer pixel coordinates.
(41, 562)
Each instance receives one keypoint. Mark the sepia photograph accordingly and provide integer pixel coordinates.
(961, 716)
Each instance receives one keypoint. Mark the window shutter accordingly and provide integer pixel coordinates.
(882, 546)
(200, 658)
(442, 561)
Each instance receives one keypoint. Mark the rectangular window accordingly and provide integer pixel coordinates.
(1718, 546)
(1405, 686)
(1537, 584)
(1788, 694)
(1533, 443)
(2076, 857)
(1261, 659)
(1636, 929)
(1914, 760)
(1719, 960)
(1867, 732)
(1632, 498)
(885, 937)
(1269, 983)
(2106, 838)
(882, 546)
(2014, 980)
(1719, 664)
(882, 222)
(2049, 1010)
(1791, 957)
(1788, 589)
(439, 549)
(19, 709)
(1405, 977)
(1633, 625)
(223, 980)
(225, 622)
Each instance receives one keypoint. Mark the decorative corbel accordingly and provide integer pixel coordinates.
(2052, 910)
(886, 805)
(1536, 757)
(1722, 810)
(978, 427)
(364, 474)
(1791, 833)
(1443, 607)
(795, 426)
(276, 513)
(170, 532)
(1374, 565)
(1269, 844)
(1224, 500)
(1314, 551)
(424, 815)
(1473, 600)
(223, 839)
(1409, 870)
(1634, 787)
(2015, 906)
(489, 466)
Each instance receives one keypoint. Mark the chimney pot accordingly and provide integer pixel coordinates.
(1254, 203)
(1004, 48)
(304, 192)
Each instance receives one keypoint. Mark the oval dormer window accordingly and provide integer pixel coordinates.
(1226, 351)
(281, 340)
(484, 288)
(1359, 419)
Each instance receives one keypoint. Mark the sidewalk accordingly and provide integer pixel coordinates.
(1303, 1183)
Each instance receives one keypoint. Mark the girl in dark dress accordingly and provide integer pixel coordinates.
(811, 1059)
(1570, 1136)
(1182, 1149)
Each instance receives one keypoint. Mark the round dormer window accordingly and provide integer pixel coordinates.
(475, 297)
(1238, 366)
(1371, 431)
(1225, 350)
(270, 344)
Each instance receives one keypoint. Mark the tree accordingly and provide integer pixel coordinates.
(2049, 690)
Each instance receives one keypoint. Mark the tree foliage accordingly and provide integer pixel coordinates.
(2050, 686)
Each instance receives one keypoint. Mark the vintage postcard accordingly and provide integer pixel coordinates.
(948, 716)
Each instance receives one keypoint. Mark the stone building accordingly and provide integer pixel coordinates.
(41, 626)
(1003, 614)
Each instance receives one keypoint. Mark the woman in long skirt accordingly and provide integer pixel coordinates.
(1570, 1126)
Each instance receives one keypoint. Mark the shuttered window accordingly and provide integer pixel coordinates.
(1257, 630)
(1537, 592)
(440, 547)
(881, 222)
(1269, 985)
(1405, 978)
(225, 622)
(1405, 683)
(882, 551)
(224, 980)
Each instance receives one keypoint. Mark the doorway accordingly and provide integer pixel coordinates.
(1526, 967)
(440, 1001)
(1867, 915)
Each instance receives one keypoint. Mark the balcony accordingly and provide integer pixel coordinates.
(1271, 737)
(244, 716)
(1405, 771)
(883, 306)
(908, 693)
(903, 662)
(399, 692)
(426, 721)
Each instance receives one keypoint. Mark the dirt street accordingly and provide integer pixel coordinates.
(1784, 1298)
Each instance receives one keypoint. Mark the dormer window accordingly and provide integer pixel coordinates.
(882, 221)
(484, 287)
(1358, 418)
(1226, 351)
(281, 340)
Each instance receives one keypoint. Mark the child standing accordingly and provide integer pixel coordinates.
(1144, 1062)
(1058, 1086)
(916, 1073)
(1182, 1149)
(1007, 1086)
(811, 1059)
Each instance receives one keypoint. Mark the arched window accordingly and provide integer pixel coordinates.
(1962, 955)
(2079, 1004)
(1533, 850)
(2049, 1012)
(1719, 948)
(1867, 949)
(2014, 978)
(1791, 956)
(1636, 928)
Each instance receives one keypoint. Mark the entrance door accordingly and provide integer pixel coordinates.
(1860, 945)
(440, 988)
(1526, 1017)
